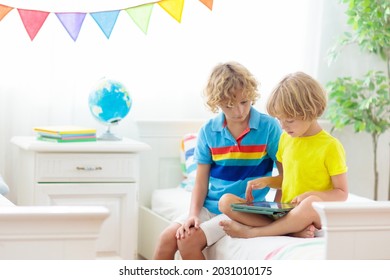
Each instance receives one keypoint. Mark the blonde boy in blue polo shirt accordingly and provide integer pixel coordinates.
(236, 146)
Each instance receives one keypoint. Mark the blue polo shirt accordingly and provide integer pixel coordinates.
(236, 161)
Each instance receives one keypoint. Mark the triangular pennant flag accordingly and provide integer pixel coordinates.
(4, 10)
(173, 7)
(72, 23)
(208, 3)
(141, 15)
(106, 21)
(32, 21)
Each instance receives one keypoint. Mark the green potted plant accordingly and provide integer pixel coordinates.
(364, 102)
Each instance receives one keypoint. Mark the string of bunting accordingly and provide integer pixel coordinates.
(33, 20)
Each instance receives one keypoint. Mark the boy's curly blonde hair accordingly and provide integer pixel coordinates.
(225, 80)
(297, 95)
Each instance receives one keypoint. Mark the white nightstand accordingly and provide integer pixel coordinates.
(104, 173)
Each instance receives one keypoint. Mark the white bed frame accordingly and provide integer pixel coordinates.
(352, 231)
(49, 232)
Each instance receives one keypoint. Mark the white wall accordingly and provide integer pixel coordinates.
(167, 66)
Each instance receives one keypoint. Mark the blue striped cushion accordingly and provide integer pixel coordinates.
(188, 144)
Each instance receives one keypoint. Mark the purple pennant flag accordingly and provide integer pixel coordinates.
(72, 23)
(106, 21)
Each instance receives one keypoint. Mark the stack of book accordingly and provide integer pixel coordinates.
(65, 133)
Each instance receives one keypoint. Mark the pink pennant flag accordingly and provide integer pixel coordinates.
(141, 15)
(32, 21)
(72, 23)
(173, 7)
(106, 21)
(4, 10)
(208, 3)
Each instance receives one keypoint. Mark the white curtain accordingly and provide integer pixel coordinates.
(47, 81)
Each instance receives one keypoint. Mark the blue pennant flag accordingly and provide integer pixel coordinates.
(106, 21)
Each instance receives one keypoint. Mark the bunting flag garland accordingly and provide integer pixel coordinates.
(106, 21)
(4, 10)
(32, 21)
(173, 7)
(141, 16)
(208, 3)
(72, 21)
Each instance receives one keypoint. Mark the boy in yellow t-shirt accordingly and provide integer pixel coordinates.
(311, 163)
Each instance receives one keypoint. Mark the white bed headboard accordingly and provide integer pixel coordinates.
(160, 166)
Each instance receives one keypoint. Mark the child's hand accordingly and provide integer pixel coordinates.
(310, 196)
(253, 185)
(184, 230)
(298, 199)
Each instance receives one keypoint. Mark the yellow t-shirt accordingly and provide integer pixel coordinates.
(309, 162)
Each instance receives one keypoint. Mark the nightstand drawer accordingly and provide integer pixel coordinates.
(86, 167)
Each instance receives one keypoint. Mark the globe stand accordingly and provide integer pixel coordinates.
(109, 136)
(109, 102)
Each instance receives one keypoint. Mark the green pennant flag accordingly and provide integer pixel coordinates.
(141, 15)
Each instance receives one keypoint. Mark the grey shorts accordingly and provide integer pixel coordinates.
(209, 224)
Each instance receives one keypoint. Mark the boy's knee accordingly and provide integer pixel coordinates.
(168, 236)
(310, 199)
(306, 205)
(193, 243)
(166, 245)
(225, 201)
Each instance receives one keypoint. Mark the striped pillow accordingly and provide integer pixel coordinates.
(188, 165)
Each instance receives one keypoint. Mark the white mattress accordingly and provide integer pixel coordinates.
(5, 202)
(173, 202)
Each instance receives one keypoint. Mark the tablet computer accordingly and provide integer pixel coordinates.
(263, 207)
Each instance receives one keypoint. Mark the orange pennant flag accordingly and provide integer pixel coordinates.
(32, 21)
(4, 10)
(173, 7)
(208, 3)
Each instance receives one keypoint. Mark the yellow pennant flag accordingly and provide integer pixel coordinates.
(173, 7)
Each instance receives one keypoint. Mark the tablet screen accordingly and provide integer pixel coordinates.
(263, 206)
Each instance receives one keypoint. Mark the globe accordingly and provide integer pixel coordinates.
(109, 102)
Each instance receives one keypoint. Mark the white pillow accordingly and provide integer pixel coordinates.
(3, 187)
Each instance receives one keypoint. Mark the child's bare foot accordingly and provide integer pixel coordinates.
(306, 233)
(235, 229)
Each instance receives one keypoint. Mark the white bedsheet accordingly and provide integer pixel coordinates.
(267, 248)
(171, 203)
